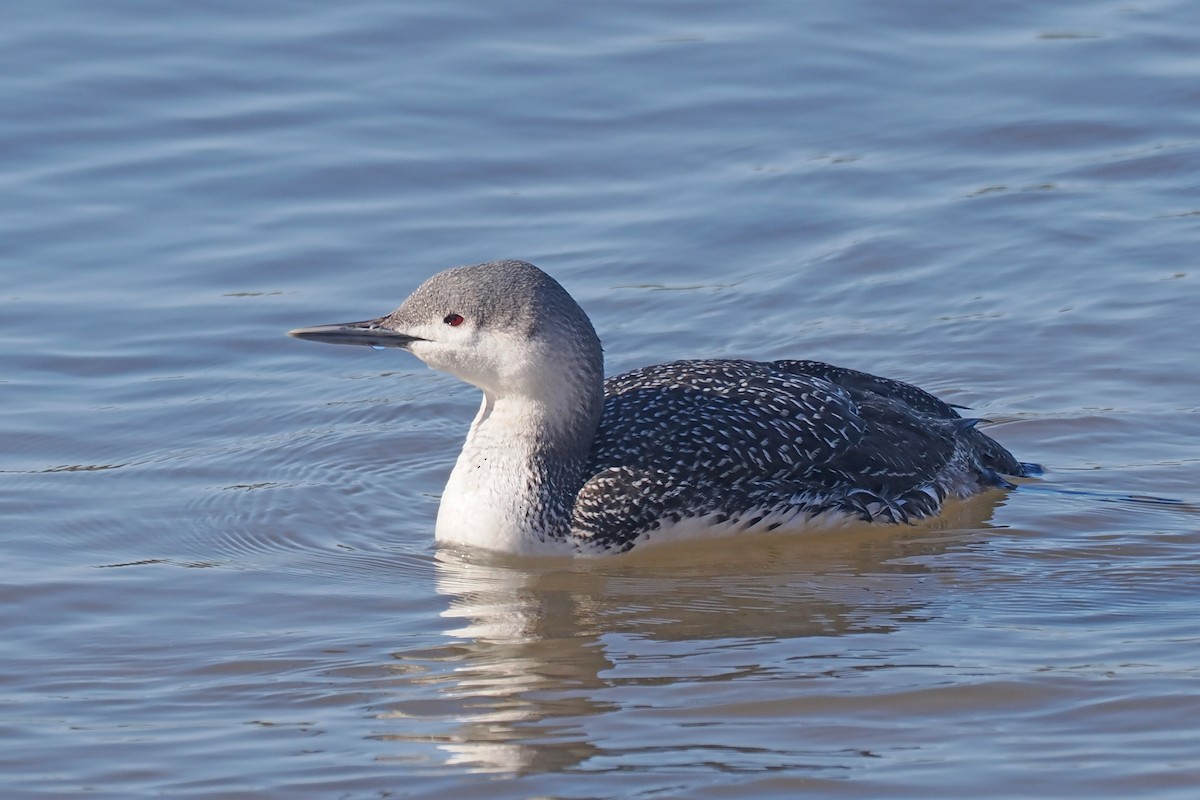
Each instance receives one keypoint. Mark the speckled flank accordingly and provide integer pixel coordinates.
(560, 459)
(745, 446)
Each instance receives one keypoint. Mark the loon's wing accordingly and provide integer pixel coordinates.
(720, 423)
(724, 421)
(864, 387)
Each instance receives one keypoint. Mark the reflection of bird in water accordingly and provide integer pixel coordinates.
(535, 645)
(559, 459)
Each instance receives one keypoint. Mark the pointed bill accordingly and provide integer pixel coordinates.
(370, 332)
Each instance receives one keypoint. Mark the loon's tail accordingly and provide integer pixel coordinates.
(995, 461)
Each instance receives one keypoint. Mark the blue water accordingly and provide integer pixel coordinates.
(217, 571)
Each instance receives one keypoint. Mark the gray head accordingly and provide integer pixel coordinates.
(504, 326)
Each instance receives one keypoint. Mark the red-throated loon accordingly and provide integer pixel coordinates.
(559, 459)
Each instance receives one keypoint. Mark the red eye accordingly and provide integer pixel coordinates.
(453, 320)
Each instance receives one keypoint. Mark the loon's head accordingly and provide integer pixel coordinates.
(504, 326)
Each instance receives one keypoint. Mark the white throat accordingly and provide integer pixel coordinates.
(500, 495)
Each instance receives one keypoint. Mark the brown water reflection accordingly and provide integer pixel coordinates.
(539, 645)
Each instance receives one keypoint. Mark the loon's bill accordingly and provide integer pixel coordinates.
(368, 332)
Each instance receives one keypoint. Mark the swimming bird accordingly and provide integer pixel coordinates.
(560, 459)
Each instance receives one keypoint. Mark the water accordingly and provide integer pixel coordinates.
(217, 569)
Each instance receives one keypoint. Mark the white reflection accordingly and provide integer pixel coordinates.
(539, 645)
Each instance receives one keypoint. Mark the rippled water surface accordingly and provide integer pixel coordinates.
(217, 571)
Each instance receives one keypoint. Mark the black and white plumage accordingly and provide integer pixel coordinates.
(559, 459)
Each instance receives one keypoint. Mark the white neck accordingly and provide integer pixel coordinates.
(513, 486)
